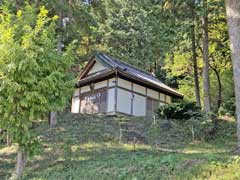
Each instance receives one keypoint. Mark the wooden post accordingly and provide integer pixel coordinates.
(155, 133)
(120, 135)
(134, 142)
(8, 139)
(193, 134)
(52, 119)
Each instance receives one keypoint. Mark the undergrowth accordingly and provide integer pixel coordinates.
(88, 148)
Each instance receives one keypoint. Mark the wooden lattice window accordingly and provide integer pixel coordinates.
(152, 105)
(95, 102)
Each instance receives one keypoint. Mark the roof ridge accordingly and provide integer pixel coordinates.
(127, 64)
(133, 70)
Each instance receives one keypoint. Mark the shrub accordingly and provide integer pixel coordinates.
(228, 107)
(180, 110)
(201, 129)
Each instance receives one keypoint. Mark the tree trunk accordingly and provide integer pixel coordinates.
(219, 99)
(60, 27)
(194, 58)
(8, 139)
(52, 119)
(233, 20)
(206, 81)
(21, 161)
(18, 4)
(53, 115)
(155, 67)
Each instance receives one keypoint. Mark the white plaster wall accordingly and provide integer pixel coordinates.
(111, 100)
(162, 97)
(139, 105)
(96, 67)
(124, 101)
(75, 105)
(112, 82)
(76, 92)
(168, 99)
(85, 89)
(139, 89)
(100, 84)
(153, 94)
(125, 84)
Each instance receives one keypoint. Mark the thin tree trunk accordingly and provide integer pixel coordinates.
(8, 139)
(21, 161)
(171, 57)
(53, 115)
(233, 20)
(18, 4)
(52, 119)
(60, 27)
(219, 102)
(206, 81)
(219, 99)
(155, 67)
(194, 58)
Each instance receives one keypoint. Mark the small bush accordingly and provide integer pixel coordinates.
(228, 107)
(181, 111)
(201, 129)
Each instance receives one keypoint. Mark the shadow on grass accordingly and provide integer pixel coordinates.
(103, 161)
(7, 162)
(95, 154)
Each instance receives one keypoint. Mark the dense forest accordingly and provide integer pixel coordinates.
(190, 45)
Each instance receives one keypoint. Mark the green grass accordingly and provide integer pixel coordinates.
(87, 148)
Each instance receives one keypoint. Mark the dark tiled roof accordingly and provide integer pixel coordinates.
(136, 72)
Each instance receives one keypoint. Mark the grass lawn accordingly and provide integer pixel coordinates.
(83, 149)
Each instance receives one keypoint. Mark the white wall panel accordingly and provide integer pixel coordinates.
(124, 101)
(112, 82)
(162, 97)
(139, 105)
(75, 105)
(139, 89)
(85, 89)
(125, 84)
(153, 94)
(76, 92)
(96, 67)
(100, 84)
(168, 99)
(111, 100)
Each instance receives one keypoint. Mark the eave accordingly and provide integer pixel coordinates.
(106, 74)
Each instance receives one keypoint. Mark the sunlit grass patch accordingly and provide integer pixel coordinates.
(87, 148)
(8, 150)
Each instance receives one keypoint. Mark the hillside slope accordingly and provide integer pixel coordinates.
(88, 148)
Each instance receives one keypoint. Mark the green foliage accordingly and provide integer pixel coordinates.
(34, 76)
(163, 76)
(178, 63)
(228, 107)
(180, 110)
(198, 125)
(201, 129)
(137, 32)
